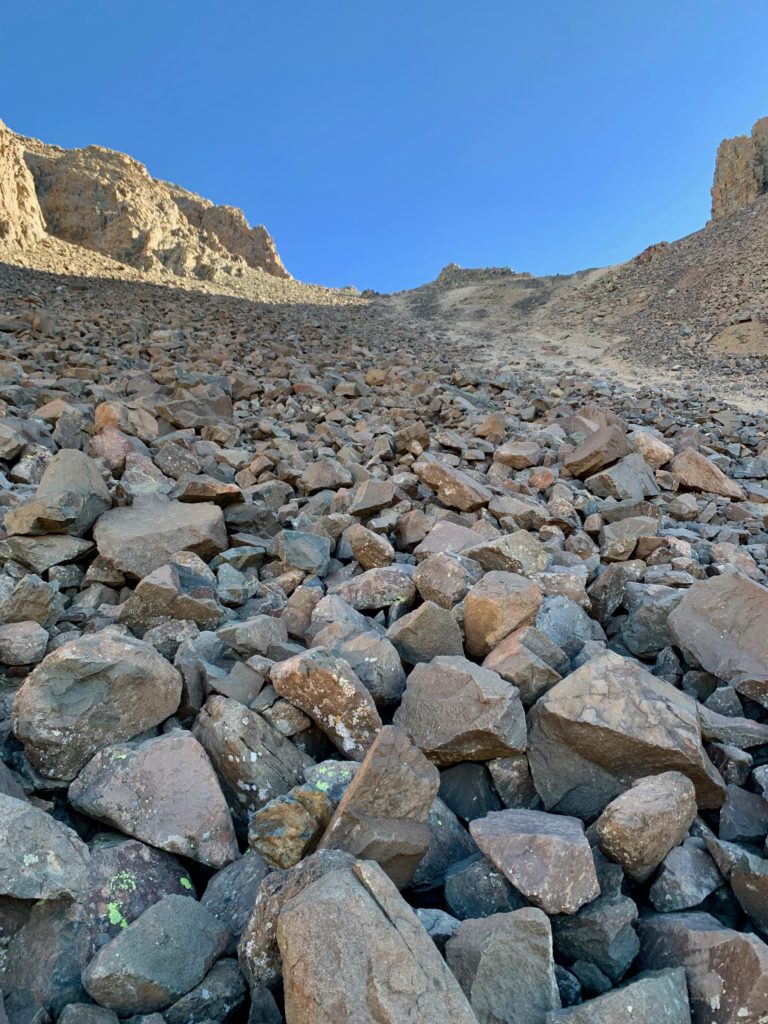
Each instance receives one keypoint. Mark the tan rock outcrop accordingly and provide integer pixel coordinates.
(21, 220)
(741, 171)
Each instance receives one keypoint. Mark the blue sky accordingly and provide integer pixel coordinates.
(378, 142)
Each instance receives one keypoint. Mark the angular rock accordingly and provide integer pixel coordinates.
(719, 625)
(455, 489)
(253, 761)
(392, 970)
(162, 791)
(604, 446)
(608, 724)
(694, 470)
(70, 498)
(504, 965)
(156, 959)
(98, 689)
(640, 827)
(22, 643)
(185, 589)
(139, 539)
(40, 858)
(426, 633)
(289, 827)
(454, 711)
(518, 552)
(545, 856)
(496, 606)
(382, 815)
(727, 972)
(327, 690)
(656, 997)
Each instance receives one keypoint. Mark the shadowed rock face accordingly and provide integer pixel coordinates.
(741, 171)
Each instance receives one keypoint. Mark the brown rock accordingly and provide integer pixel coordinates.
(371, 550)
(694, 470)
(456, 711)
(326, 689)
(640, 827)
(69, 499)
(162, 791)
(258, 951)
(545, 856)
(139, 539)
(720, 625)
(378, 588)
(530, 661)
(289, 827)
(518, 454)
(604, 446)
(500, 603)
(608, 724)
(380, 966)
(504, 964)
(727, 971)
(740, 176)
(455, 489)
(519, 552)
(98, 689)
(383, 813)
(426, 633)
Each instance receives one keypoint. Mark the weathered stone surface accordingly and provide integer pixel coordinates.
(656, 997)
(426, 633)
(70, 498)
(95, 690)
(383, 813)
(530, 661)
(370, 549)
(231, 893)
(505, 967)
(694, 470)
(258, 951)
(156, 959)
(139, 539)
(21, 219)
(640, 827)
(184, 589)
(47, 956)
(290, 826)
(496, 606)
(455, 711)
(455, 489)
(601, 933)
(686, 877)
(605, 445)
(327, 690)
(162, 791)
(254, 762)
(379, 588)
(518, 552)
(40, 858)
(719, 626)
(608, 724)
(727, 972)
(216, 998)
(22, 643)
(390, 967)
(545, 856)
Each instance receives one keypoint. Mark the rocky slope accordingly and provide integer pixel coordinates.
(348, 675)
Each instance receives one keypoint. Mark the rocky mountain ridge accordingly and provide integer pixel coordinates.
(741, 171)
(108, 202)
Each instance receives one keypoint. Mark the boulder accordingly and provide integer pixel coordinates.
(454, 711)
(162, 791)
(383, 813)
(101, 688)
(608, 724)
(545, 856)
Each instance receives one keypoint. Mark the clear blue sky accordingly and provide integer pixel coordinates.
(379, 141)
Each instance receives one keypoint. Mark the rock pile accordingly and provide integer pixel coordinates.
(339, 684)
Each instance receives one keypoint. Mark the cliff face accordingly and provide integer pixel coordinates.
(741, 171)
(21, 220)
(108, 202)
